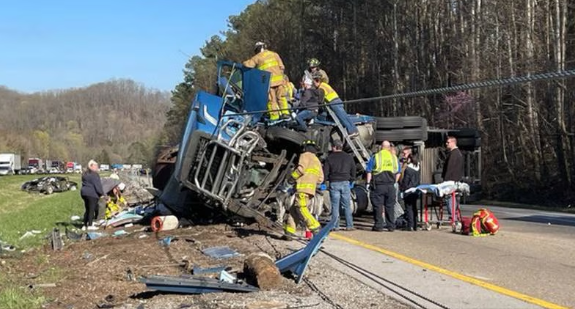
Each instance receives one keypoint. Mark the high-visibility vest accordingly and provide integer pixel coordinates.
(384, 162)
(270, 61)
(329, 93)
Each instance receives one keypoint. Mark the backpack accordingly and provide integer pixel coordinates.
(483, 223)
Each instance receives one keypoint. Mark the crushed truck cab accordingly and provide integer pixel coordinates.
(233, 159)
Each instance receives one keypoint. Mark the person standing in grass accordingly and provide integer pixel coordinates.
(91, 192)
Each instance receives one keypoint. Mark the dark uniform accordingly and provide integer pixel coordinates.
(452, 171)
(410, 179)
(383, 166)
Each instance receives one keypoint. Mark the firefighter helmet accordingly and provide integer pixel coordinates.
(313, 62)
(308, 142)
(309, 145)
(259, 46)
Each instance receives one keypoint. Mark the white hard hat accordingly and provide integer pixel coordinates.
(122, 186)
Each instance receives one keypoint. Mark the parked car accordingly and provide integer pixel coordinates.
(49, 185)
(54, 170)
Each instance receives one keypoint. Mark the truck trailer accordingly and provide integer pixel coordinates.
(10, 164)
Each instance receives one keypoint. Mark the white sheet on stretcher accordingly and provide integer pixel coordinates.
(442, 189)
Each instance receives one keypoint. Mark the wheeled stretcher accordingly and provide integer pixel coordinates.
(433, 199)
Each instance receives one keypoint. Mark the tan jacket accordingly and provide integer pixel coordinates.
(270, 61)
(308, 173)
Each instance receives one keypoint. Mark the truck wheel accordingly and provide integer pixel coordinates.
(400, 122)
(465, 132)
(360, 198)
(279, 134)
(49, 190)
(469, 142)
(401, 135)
(389, 123)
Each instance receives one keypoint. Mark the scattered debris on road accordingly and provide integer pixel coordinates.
(220, 252)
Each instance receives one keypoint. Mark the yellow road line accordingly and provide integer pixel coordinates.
(489, 286)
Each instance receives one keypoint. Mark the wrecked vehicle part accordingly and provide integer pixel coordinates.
(49, 185)
(219, 166)
(197, 270)
(193, 285)
(164, 166)
(237, 163)
(220, 252)
(56, 240)
(108, 184)
(297, 262)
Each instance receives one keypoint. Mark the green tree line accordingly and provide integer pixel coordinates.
(113, 122)
(378, 47)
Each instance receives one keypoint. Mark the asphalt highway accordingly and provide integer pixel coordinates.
(532, 256)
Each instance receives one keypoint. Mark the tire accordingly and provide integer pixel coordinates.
(361, 199)
(400, 122)
(401, 135)
(388, 123)
(465, 133)
(414, 122)
(469, 142)
(49, 190)
(279, 134)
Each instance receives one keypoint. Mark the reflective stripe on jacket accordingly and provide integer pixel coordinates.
(271, 62)
(329, 93)
(308, 173)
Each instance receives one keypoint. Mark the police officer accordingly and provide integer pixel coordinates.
(381, 170)
(307, 175)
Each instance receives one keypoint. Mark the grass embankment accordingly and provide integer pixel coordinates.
(20, 212)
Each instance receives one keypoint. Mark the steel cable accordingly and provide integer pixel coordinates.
(372, 276)
(475, 85)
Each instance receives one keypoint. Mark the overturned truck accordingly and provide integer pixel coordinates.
(231, 158)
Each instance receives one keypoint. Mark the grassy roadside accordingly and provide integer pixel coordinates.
(21, 211)
(16, 295)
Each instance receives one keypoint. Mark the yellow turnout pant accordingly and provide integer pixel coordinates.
(277, 100)
(300, 211)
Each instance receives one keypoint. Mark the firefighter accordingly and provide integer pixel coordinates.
(307, 175)
(313, 65)
(290, 90)
(267, 60)
(334, 102)
(116, 202)
(381, 168)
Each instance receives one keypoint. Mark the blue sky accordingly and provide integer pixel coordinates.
(73, 43)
